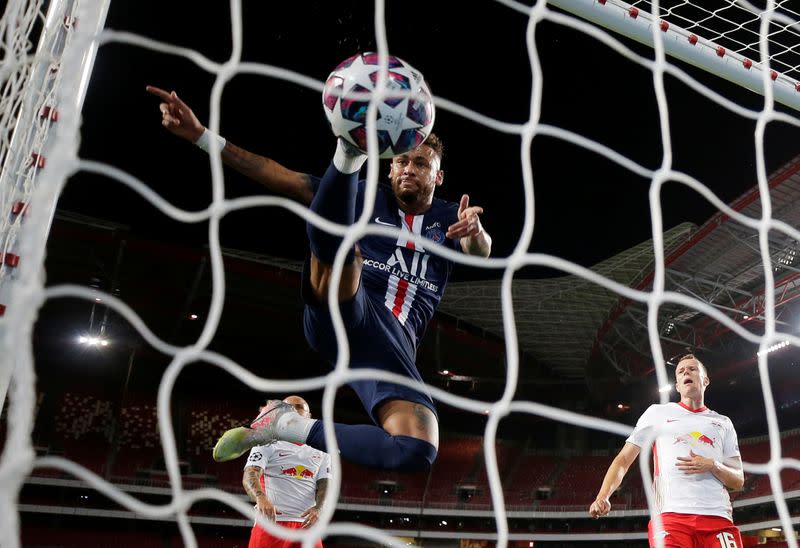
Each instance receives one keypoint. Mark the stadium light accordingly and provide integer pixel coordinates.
(665, 388)
(773, 348)
(89, 340)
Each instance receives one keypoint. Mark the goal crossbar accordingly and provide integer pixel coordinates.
(686, 46)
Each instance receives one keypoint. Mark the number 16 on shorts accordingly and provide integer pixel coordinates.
(727, 540)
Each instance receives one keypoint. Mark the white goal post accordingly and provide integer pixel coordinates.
(40, 103)
(686, 45)
(42, 96)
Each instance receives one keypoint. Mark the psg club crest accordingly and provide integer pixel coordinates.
(436, 235)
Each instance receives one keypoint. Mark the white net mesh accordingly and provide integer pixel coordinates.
(735, 26)
(38, 191)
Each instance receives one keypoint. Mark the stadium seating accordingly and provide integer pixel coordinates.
(124, 445)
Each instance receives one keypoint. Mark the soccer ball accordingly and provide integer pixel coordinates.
(403, 123)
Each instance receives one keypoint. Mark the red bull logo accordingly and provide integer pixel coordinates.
(694, 439)
(297, 472)
(705, 439)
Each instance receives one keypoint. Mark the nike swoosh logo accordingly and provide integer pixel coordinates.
(378, 220)
(284, 454)
(672, 420)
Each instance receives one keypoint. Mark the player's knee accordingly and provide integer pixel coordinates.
(319, 280)
(413, 455)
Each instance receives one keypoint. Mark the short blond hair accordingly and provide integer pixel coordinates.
(690, 356)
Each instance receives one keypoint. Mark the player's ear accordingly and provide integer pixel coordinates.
(439, 177)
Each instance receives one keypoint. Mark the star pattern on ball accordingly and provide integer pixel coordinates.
(360, 77)
(404, 111)
(393, 120)
(340, 122)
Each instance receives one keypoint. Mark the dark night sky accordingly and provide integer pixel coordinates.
(587, 209)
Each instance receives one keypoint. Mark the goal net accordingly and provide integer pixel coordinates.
(48, 52)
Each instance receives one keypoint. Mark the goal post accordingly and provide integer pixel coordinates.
(41, 96)
(686, 45)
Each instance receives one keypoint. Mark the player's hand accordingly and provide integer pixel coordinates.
(694, 464)
(266, 508)
(600, 507)
(468, 224)
(176, 116)
(311, 515)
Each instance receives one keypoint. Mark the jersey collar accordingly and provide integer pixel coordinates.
(698, 410)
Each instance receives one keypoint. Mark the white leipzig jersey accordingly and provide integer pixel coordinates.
(680, 430)
(291, 472)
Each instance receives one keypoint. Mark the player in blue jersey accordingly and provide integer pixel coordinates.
(389, 290)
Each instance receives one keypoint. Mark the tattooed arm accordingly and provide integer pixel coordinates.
(312, 514)
(251, 481)
(178, 119)
(268, 172)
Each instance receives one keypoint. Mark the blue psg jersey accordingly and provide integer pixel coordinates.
(404, 276)
(398, 275)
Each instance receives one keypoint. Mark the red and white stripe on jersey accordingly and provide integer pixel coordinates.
(399, 297)
(399, 293)
(659, 486)
(411, 224)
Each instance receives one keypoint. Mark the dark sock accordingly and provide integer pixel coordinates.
(335, 200)
(372, 446)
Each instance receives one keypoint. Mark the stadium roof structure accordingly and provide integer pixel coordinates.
(557, 319)
(564, 322)
(568, 328)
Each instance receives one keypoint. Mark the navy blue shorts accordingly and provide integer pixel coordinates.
(376, 341)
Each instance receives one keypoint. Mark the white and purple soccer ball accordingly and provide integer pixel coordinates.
(403, 123)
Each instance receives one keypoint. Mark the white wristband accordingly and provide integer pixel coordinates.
(209, 140)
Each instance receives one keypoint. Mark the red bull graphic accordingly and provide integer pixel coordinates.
(298, 472)
(694, 439)
(705, 439)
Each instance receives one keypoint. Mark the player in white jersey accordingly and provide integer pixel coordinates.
(696, 461)
(287, 481)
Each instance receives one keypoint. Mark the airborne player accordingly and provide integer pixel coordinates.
(389, 290)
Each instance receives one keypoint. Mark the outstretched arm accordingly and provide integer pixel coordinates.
(474, 239)
(179, 120)
(614, 476)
